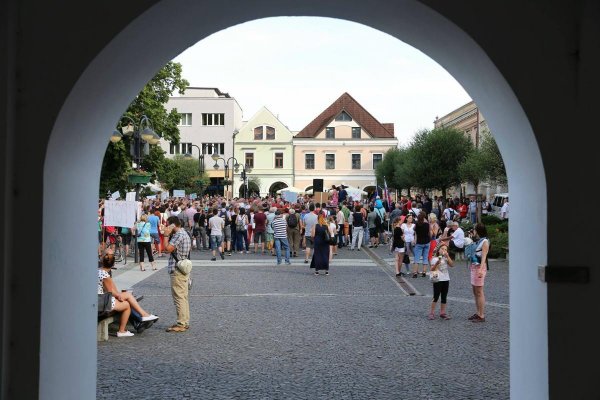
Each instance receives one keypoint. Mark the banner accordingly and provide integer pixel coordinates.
(115, 195)
(164, 195)
(178, 193)
(356, 194)
(130, 196)
(121, 213)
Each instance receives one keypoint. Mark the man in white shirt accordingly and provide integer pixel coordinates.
(216, 225)
(504, 209)
(340, 219)
(456, 238)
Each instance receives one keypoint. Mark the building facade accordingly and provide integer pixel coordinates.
(343, 145)
(264, 146)
(209, 119)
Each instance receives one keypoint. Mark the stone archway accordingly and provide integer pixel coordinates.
(276, 186)
(71, 172)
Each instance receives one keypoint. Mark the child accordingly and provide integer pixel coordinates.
(398, 246)
(441, 279)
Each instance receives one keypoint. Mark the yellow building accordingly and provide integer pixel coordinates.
(467, 119)
(264, 145)
(342, 145)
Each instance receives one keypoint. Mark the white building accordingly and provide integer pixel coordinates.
(209, 119)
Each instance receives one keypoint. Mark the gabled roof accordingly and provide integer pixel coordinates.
(361, 116)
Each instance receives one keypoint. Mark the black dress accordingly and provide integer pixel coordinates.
(320, 259)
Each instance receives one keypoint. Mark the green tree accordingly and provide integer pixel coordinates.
(151, 103)
(473, 168)
(182, 173)
(394, 168)
(434, 157)
(494, 164)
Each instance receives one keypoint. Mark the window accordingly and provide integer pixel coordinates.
(355, 132)
(329, 161)
(250, 160)
(278, 160)
(174, 148)
(355, 161)
(377, 158)
(309, 161)
(186, 148)
(344, 116)
(330, 132)
(185, 119)
(270, 133)
(213, 119)
(258, 133)
(214, 148)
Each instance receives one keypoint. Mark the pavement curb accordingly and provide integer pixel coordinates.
(402, 283)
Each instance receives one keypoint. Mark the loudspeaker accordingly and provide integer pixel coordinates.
(317, 185)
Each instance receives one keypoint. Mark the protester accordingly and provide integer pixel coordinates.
(358, 223)
(422, 242)
(259, 231)
(178, 243)
(398, 245)
(310, 220)
(408, 228)
(333, 227)
(216, 224)
(320, 259)
(242, 231)
(293, 229)
(281, 237)
(439, 268)
(269, 230)
(479, 271)
(144, 240)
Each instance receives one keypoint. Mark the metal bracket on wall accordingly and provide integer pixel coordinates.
(553, 274)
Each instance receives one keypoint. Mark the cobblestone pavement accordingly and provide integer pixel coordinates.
(261, 331)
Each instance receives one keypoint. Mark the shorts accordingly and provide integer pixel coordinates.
(475, 271)
(126, 238)
(227, 233)
(259, 237)
(270, 237)
(399, 249)
(373, 232)
(310, 243)
(155, 237)
(216, 241)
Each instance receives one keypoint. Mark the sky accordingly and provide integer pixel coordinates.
(298, 66)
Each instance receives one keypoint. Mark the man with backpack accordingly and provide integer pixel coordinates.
(226, 215)
(293, 232)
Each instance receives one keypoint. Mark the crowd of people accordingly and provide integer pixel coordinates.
(423, 233)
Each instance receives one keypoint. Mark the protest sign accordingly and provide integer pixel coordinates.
(178, 193)
(164, 195)
(115, 195)
(130, 196)
(289, 196)
(193, 196)
(120, 213)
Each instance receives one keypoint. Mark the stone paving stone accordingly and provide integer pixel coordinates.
(261, 331)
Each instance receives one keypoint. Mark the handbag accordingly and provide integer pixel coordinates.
(406, 259)
(184, 266)
(104, 303)
(434, 276)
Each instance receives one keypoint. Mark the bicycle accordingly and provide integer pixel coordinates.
(119, 252)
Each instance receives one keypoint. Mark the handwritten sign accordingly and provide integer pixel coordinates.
(115, 195)
(164, 195)
(178, 193)
(289, 196)
(120, 213)
(130, 196)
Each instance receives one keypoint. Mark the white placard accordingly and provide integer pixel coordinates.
(151, 197)
(121, 213)
(354, 193)
(115, 195)
(130, 196)
(289, 196)
(164, 195)
(178, 193)
(193, 196)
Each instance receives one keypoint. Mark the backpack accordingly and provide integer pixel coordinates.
(292, 221)
(239, 223)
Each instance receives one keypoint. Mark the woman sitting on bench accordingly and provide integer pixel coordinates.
(121, 301)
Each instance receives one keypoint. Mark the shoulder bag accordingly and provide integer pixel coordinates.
(104, 303)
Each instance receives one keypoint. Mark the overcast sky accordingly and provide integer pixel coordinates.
(297, 66)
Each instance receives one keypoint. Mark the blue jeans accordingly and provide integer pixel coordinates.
(286, 246)
(473, 218)
(422, 254)
(242, 240)
(215, 241)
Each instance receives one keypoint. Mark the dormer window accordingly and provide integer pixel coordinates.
(270, 133)
(259, 132)
(343, 116)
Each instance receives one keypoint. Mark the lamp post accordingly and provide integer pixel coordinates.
(235, 166)
(202, 152)
(142, 136)
(246, 169)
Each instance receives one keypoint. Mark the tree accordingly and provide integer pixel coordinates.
(149, 102)
(434, 157)
(473, 168)
(494, 165)
(182, 173)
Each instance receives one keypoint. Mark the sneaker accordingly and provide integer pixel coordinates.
(431, 317)
(150, 317)
(478, 319)
(228, 253)
(398, 275)
(326, 273)
(423, 274)
(358, 249)
(445, 316)
(370, 246)
(305, 261)
(124, 334)
(177, 328)
(142, 326)
(213, 259)
(222, 256)
(316, 273)
(415, 275)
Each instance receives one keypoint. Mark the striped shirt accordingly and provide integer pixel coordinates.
(280, 227)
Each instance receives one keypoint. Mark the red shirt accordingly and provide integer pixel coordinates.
(462, 209)
(260, 220)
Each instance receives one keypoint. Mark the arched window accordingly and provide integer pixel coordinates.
(270, 133)
(343, 116)
(258, 133)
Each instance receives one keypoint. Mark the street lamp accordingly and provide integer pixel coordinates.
(201, 153)
(246, 169)
(216, 158)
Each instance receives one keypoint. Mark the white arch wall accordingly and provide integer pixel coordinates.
(71, 177)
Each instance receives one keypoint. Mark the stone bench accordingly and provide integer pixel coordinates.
(105, 320)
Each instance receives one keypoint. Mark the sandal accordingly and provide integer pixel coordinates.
(431, 317)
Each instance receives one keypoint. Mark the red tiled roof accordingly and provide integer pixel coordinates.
(361, 116)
